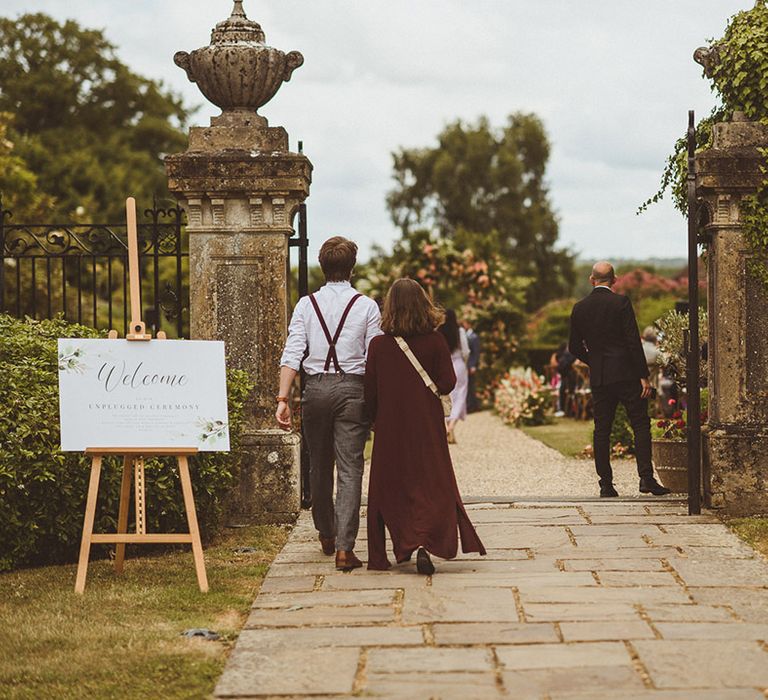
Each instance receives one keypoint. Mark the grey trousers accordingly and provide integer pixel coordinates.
(335, 427)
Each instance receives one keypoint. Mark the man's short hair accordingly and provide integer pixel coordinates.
(337, 258)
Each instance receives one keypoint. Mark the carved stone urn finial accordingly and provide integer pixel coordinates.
(237, 71)
(708, 57)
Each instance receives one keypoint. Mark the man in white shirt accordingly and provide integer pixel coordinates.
(329, 333)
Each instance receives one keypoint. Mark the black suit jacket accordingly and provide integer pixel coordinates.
(604, 335)
(474, 350)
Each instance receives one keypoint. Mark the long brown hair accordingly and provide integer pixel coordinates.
(450, 329)
(408, 310)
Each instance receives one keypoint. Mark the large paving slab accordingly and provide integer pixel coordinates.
(705, 663)
(576, 600)
(430, 684)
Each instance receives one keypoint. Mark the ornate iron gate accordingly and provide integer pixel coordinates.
(81, 271)
(301, 241)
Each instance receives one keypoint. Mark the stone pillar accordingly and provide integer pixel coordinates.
(736, 437)
(241, 186)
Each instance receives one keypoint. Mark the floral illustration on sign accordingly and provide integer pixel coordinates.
(211, 430)
(71, 360)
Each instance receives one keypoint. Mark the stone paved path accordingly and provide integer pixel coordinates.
(598, 600)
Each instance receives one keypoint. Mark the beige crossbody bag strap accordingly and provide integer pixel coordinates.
(422, 372)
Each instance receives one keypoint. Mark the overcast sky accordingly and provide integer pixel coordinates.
(611, 79)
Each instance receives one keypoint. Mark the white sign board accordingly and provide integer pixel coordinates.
(158, 393)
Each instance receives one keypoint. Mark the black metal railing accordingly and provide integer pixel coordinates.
(81, 271)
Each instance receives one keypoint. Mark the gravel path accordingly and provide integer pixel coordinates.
(493, 459)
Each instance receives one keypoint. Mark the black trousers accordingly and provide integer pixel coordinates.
(605, 399)
(472, 403)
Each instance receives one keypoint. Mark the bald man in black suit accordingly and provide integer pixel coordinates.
(604, 335)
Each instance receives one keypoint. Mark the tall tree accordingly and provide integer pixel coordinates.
(486, 190)
(89, 129)
(18, 183)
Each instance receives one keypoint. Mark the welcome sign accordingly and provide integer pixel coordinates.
(161, 393)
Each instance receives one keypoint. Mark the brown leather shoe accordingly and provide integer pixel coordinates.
(346, 561)
(328, 544)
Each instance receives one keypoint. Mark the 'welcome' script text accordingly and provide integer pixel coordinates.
(114, 376)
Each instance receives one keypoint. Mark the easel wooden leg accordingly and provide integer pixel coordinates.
(90, 514)
(122, 517)
(140, 496)
(189, 504)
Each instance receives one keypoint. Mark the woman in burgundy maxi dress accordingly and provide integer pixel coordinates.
(412, 490)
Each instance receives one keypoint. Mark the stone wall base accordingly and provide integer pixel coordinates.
(738, 463)
(268, 489)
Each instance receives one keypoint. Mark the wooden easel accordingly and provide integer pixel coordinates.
(133, 457)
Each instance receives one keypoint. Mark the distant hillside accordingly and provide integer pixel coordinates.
(658, 263)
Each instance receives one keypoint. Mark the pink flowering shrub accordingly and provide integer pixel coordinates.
(486, 292)
(640, 283)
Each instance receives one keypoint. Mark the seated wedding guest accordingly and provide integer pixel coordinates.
(567, 385)
(669, 394)
(412, 490)
(652, 354)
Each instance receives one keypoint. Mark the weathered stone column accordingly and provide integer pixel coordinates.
(241, 186)
(736, 438)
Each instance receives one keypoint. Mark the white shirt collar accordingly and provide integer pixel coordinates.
(343, 283)
(603, 286)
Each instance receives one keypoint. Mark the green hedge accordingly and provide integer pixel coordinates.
(42, 490)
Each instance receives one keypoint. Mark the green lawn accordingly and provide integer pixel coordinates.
(754, 531)
(566, 435)
(122, 638)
